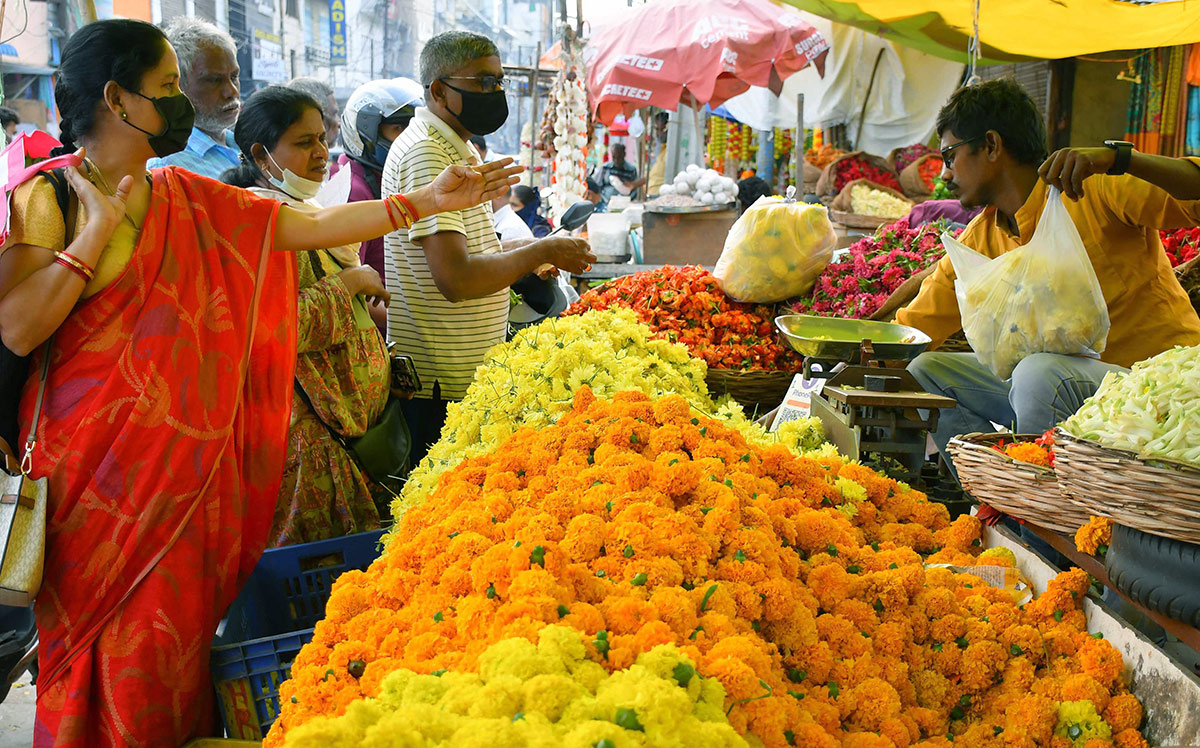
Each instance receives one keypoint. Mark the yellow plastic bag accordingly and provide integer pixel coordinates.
(775, 251)
(1042, 297)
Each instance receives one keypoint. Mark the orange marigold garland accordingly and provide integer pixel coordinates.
(638, 524)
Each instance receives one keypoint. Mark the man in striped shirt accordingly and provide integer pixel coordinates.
(449, 273)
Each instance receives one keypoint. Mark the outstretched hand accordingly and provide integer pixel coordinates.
(461, 187)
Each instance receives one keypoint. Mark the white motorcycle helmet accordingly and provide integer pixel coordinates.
(390, 101)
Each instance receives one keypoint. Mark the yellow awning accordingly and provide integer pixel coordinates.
(1018, 29)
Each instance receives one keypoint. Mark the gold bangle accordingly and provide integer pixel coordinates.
(77, 265)
(400, 207)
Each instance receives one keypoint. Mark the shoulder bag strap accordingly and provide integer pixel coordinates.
(31, 440)
(332, 431)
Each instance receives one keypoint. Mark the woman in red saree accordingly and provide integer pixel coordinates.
(173, 332)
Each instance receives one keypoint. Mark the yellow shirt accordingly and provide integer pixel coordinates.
(1118, 219)
(37, 220)
(658, 172)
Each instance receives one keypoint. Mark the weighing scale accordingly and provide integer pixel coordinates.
(871, 407)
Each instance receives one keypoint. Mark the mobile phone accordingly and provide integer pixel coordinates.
(404, 374)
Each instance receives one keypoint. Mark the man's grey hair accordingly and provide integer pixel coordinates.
(189, 36)
(449, 51)
(318, 89)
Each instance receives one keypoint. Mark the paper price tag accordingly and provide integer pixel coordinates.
(798, 401)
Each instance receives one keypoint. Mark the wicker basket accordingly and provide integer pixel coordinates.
(856, 221)
(1156, 496)
(756, 391)
(1023, 490)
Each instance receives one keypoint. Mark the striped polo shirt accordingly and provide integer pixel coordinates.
(447, 340)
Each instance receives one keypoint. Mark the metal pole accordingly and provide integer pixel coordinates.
(798, 147)
(766, 156)
(520, 112)
(673, 125)
(534, 123)
(862, 115)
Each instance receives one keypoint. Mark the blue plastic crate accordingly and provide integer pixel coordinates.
(247, 677)
(289, 587)
(271, 620)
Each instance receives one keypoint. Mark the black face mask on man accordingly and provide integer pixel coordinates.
(482, 113)
(178, 117)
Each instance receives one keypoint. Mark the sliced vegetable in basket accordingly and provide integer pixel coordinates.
(1153, 410)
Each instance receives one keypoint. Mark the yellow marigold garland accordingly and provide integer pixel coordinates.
(639, 524)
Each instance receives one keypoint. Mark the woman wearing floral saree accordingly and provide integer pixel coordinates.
(171, 316)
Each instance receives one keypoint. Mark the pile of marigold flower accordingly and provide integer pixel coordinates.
(799, 585)
(548, 695)
(531, 380)
(686, 305)
(1038, 452)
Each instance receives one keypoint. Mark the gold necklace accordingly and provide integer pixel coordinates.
(93, 169)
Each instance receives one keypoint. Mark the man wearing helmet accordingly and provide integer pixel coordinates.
(375, 115)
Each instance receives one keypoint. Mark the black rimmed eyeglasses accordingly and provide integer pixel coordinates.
(486, 83)
(948, 154)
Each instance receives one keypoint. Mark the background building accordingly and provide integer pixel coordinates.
(279, 40)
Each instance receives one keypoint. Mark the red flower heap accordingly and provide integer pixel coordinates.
(905, 157)
(686, 305)
(849, 169)
(857, 284)
(930, 169)
(1181, 245)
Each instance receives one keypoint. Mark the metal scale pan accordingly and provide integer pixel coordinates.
(831, 339)
(865, 407)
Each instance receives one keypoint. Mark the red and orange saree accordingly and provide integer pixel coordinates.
(164, 439)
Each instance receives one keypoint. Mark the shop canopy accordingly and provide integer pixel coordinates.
(901, 87)
(1012, 30)
(696, 52)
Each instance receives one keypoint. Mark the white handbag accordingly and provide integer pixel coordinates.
(23, 518)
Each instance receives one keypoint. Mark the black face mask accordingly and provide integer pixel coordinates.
(179, 115)
(482, 113)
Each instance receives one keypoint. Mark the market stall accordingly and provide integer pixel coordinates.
(701, 508)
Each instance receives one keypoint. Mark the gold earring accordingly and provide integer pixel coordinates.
(124, 115)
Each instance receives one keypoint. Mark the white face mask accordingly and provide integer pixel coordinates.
(293, 184)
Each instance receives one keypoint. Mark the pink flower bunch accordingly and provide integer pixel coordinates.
(856, 285)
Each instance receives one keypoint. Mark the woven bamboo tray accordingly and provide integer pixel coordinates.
(1023, 490)
(760, 391)
(1155, 496)
(856, 221)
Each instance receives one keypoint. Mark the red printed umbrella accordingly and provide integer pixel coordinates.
(697, 52)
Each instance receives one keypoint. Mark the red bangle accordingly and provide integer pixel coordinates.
(76, 265)
(403, 210)
(387, 204)
(412, 211)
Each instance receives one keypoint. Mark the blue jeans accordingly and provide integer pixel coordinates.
(1045, 389)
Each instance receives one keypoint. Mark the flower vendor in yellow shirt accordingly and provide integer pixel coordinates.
(993, 146)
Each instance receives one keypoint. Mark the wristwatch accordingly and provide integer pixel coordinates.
(1124, 151)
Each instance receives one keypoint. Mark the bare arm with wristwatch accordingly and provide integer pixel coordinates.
(1069, 167)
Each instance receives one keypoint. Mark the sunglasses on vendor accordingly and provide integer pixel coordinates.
(948, 154)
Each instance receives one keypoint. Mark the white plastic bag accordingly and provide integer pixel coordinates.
(1043, 297)
(775, 251)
